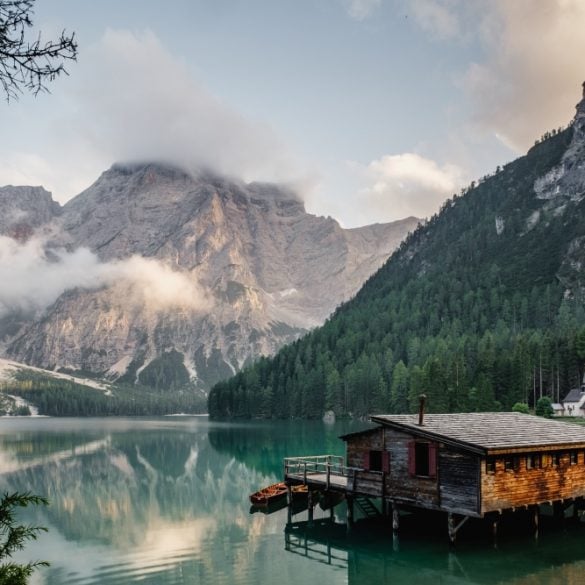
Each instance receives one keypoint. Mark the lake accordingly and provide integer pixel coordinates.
(165, 501)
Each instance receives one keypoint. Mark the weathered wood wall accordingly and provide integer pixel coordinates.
(462, 483)
(510, 489)
(366, 482)
(455, 487)
(400, 485)
(459, 481)
(358, 445)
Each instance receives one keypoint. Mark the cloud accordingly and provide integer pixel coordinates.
(361, 9)
(33, 278)
(530, 79)
(527, 81)
(407, 184)
(60, 172)
(155, 285)
(141, 103)
(135, 101)
(440, 18)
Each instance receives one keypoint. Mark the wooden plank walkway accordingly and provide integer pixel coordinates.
(320, 472)
(336, 482)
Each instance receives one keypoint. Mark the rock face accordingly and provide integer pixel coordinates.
(266, 271)
(24, 209)
(562, 191)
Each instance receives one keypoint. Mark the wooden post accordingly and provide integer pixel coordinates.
(559, 512)
(451, 528)
(495, 531)
(310, 508)
(395, 518)
(289, 503)
(536, 517)
(575, 512)
(349, 502)
(454, 528)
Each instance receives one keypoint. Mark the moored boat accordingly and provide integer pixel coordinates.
(274, 493)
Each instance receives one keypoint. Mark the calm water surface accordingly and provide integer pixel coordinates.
(165, 501)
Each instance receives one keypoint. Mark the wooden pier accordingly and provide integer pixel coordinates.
(475, 465)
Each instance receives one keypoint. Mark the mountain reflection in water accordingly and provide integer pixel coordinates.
(166, 501)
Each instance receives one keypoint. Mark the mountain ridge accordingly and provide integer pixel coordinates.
(260, 271)
(479, 308)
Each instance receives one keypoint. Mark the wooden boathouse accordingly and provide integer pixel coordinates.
(471, 465)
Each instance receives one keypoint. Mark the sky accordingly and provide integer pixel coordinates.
(373, 110)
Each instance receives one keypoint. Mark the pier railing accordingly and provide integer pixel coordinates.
(327, 465)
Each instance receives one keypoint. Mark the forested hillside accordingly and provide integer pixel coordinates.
(479, 308)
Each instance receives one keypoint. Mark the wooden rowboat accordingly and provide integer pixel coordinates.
(275, 492)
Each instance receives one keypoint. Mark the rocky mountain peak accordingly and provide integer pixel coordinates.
(579, 120)
(24, 209)
(566, 180)
(268, 271)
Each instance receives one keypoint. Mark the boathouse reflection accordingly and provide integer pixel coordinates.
(377, 558)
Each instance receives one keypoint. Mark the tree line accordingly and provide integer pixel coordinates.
(65, 398)
(477, 309)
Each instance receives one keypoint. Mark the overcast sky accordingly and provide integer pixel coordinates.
(373, 109)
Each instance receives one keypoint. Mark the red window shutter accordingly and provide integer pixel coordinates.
(411, 458)
(367, 460)
(432, 459)
(386, 461)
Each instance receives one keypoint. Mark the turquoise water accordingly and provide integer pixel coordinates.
(165, 501)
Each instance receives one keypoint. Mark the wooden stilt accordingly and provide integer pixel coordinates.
(454, 527)
(349, 502)
(495, 531)
(310, 508)
(395, 518)
(577, 508)
(451, 528)
(536, 518)
(289, 503)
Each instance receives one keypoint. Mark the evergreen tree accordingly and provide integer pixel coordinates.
(14, 536)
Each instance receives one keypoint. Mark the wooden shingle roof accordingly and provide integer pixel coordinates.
(490, 432)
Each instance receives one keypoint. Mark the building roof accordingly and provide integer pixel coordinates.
(490, 432)
(574, 395)
(366, 431)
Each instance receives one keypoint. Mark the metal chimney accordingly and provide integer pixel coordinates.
(421, 410)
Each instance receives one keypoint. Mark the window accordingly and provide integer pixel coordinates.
(574, 457)
(376, 460)
(421, 465)
(555, 459)
(511, 463)
(422, 459)
(534, 461)
(490, 465)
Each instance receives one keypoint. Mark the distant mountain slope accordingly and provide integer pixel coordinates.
(24, 209)
(254, 268)
(479, 308)
(8, 368)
